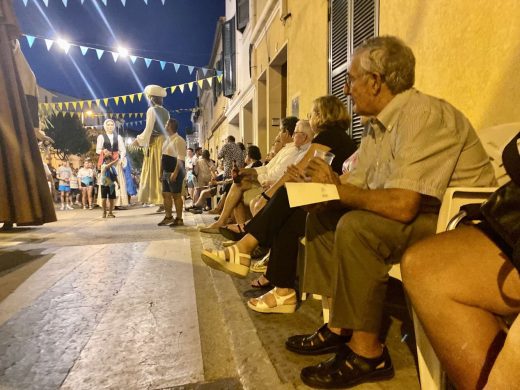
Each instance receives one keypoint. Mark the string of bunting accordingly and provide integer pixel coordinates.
(105, 2)
(124, 98)
(119, 115)
(116, 54)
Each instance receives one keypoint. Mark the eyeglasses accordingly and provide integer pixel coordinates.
(349, 79)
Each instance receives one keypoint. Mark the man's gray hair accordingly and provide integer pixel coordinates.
(391, 58)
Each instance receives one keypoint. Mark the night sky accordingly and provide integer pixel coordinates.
(181, 31)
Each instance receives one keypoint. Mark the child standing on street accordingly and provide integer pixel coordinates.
(64, 175)
(108, 185)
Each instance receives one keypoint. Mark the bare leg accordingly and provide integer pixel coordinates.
(241, 213)
(179, 204)
(456, 281)
(233, 198)
(111, 205)
(168, 204)
(84, 199)
(89, 192)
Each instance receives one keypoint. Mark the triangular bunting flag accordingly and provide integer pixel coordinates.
(74, 104)
(116, 99)
(147, 61)
(139, 95)
(219, 73)
(130, 115)
(25, 2)
(181, 87)
(66, 105)
(104, 2)
(82, 1)
(204, 71)
(190, 69)
(163, 1)
(60, 106)
(99, 53)
(219, 78)
(115, 55)
(124, 99)
(210, 81)
(30, 40)
(141, 114)
(46, 2)
(48, 43)
(64, 2)
(105, 100)
(83, 50)
(176, 66)
(89, 103)
(201, 83)
(98, 102)
(81, 104)
(133, 59)
(131, 97)
(124, 2)
(190, 85)
(163, 64)
(146, 2)
(173, 88)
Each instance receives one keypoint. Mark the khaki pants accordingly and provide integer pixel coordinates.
(348, 256)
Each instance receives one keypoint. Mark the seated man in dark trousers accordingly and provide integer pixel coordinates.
(416, 147)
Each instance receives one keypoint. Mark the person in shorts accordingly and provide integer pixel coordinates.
(173, 173)
(108, 185)
(64, 174)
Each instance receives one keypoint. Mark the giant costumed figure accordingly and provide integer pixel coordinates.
(152, 139)
(112, 143)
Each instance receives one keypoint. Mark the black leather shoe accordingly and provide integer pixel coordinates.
(347, 369)
(320, 342)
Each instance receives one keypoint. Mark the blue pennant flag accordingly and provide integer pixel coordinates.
(163, 2)
(104, 2)
(148, 61)
(124, 2)
(176, 66)
(204, 71)
(83, 49)
(30, 40)
(133, 59)
(64, 2)
(82, 1)
(46, 2)
(146, 2)
(219, 73)
(163, 64)
(190, 69)
(99, 53)
(25, 2)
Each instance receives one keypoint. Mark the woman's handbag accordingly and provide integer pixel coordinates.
(502, 209)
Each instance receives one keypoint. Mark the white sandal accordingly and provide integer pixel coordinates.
(217, 259)
(281, 307)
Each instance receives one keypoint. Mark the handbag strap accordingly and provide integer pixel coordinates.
(511, 160)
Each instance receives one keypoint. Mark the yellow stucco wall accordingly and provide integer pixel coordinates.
(467, 52)
(306, 34)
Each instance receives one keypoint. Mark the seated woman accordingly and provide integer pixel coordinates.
(205, 171)
(277, 225)
(242, 192)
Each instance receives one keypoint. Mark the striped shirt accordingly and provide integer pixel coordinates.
(423, 144)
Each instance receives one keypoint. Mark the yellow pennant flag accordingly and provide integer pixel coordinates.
(89, 103)
(66, 105)
(124, 115)
(141, 114)
(139, 96)
(131, 97)
(201, 83)
(190, 85)
(98, 102)
(71, 114)
(74, 105)
(124, 99)
(130, 115)
(173, 88)
(81, 104)
(181, 87)
(116, 99)
(105, 100)
(210, 81)
(60, 106)
(219, 78)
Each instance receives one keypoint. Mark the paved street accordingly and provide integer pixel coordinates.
(92, 303)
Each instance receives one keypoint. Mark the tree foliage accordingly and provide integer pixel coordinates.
(136, 156)
(69, 135)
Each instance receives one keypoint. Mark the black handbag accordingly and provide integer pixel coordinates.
(502, 209)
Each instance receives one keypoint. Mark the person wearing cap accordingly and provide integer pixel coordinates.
(152, 138)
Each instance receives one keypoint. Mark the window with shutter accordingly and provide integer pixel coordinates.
(228, 58)
(242, 14)
(351, 22)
